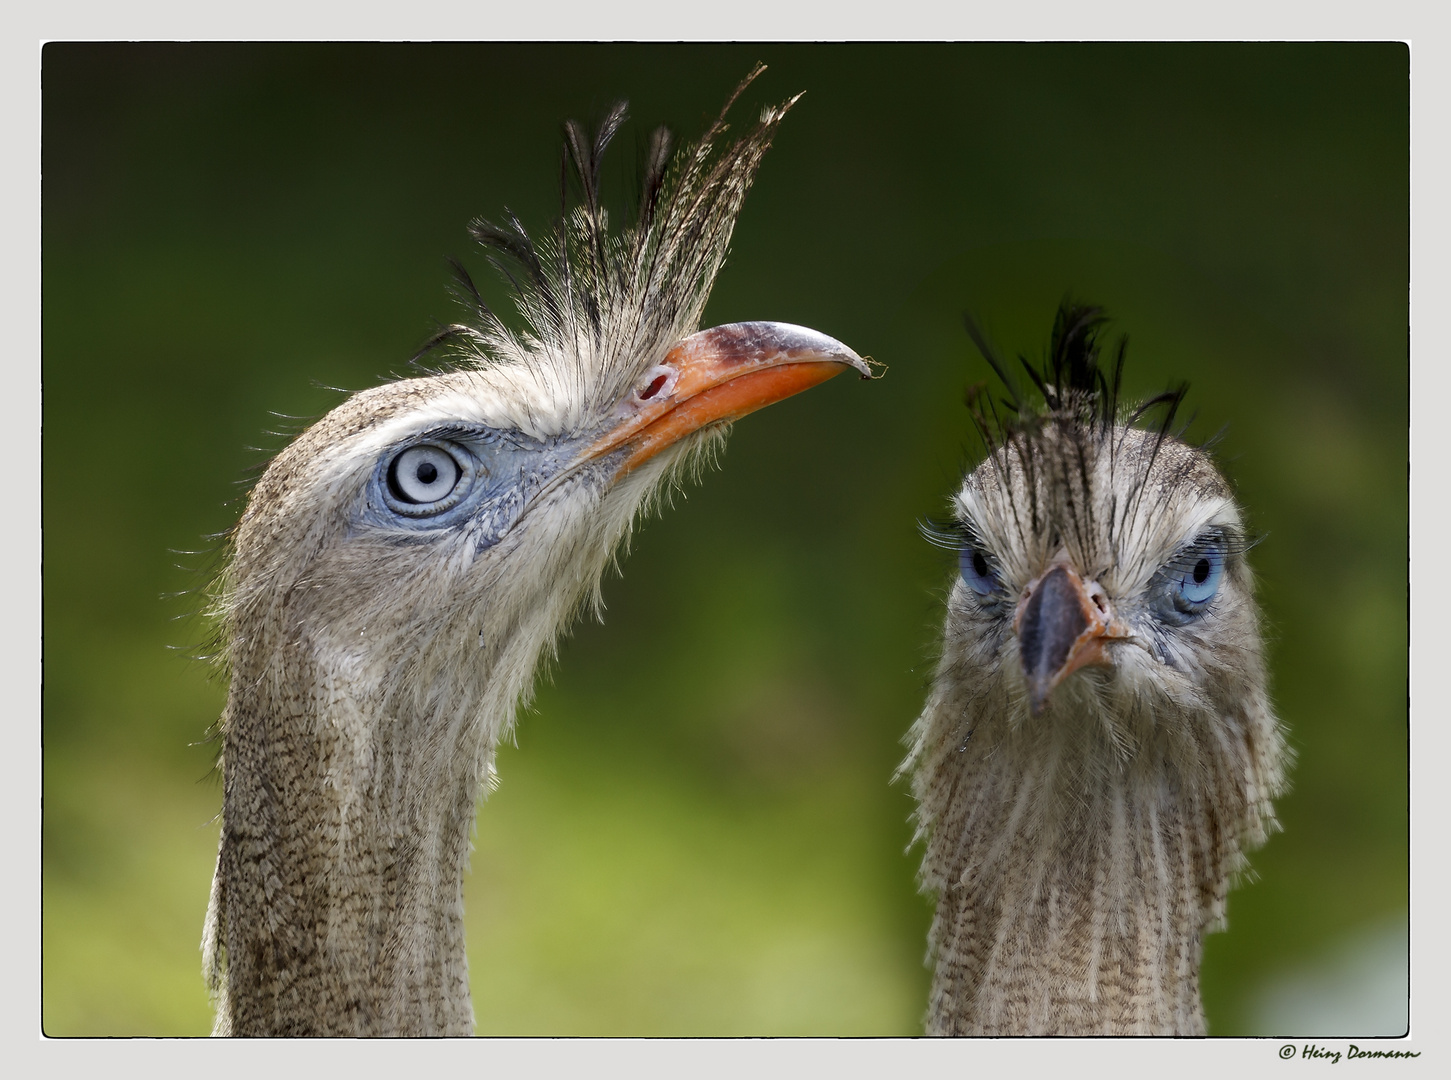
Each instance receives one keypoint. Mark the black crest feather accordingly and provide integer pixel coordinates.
(1072, 383)
(1078, 397)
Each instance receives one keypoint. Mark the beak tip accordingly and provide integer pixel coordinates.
(1038, 693)
(869, 369)
(792, 337)
(856, 363)
(846, 356)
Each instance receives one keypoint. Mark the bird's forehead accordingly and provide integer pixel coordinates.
(515, 397)
(1103, 493)
(1111, 465)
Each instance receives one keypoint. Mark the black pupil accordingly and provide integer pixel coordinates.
(979, 564)
(428, 473)
(1201, 571)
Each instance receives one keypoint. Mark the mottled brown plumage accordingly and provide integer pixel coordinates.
(400, 568)
(1098, 748)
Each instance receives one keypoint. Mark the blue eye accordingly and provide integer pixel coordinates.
(1202, 581)
(977, 572)
(1192, 579)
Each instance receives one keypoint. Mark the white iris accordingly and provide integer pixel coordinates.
(425, 474)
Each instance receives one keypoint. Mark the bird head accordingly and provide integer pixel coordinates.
(418, 546)
(1101, 558)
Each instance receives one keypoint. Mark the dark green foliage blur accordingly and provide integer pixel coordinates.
(698, 833)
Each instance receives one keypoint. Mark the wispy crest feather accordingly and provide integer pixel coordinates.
(604, 304)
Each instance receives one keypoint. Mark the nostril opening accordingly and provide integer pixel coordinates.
(1100, 602)
(654, 388)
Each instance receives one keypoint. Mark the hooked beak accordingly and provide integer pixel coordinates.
(718, 375)
(1062, 625)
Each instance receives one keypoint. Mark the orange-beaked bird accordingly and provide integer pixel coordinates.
(400, 568)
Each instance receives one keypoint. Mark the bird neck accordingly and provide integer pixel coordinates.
(337, 906)
(1077, 864)
(354, 750)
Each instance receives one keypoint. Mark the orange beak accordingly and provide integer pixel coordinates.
(720, 375)
(1062, 625)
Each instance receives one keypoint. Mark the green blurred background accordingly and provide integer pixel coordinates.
(697, 834)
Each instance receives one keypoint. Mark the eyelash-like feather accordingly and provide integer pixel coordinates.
(1229, 540)
(951, 535)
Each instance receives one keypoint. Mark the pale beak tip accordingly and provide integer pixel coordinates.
(864, 366)
(809, 343)
(831, 349)
(868, 368)
(1038, 693)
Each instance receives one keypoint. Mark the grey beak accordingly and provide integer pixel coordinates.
(1051, 624)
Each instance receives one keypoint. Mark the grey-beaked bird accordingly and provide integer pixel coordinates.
(1098, 750)
(400, 568)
